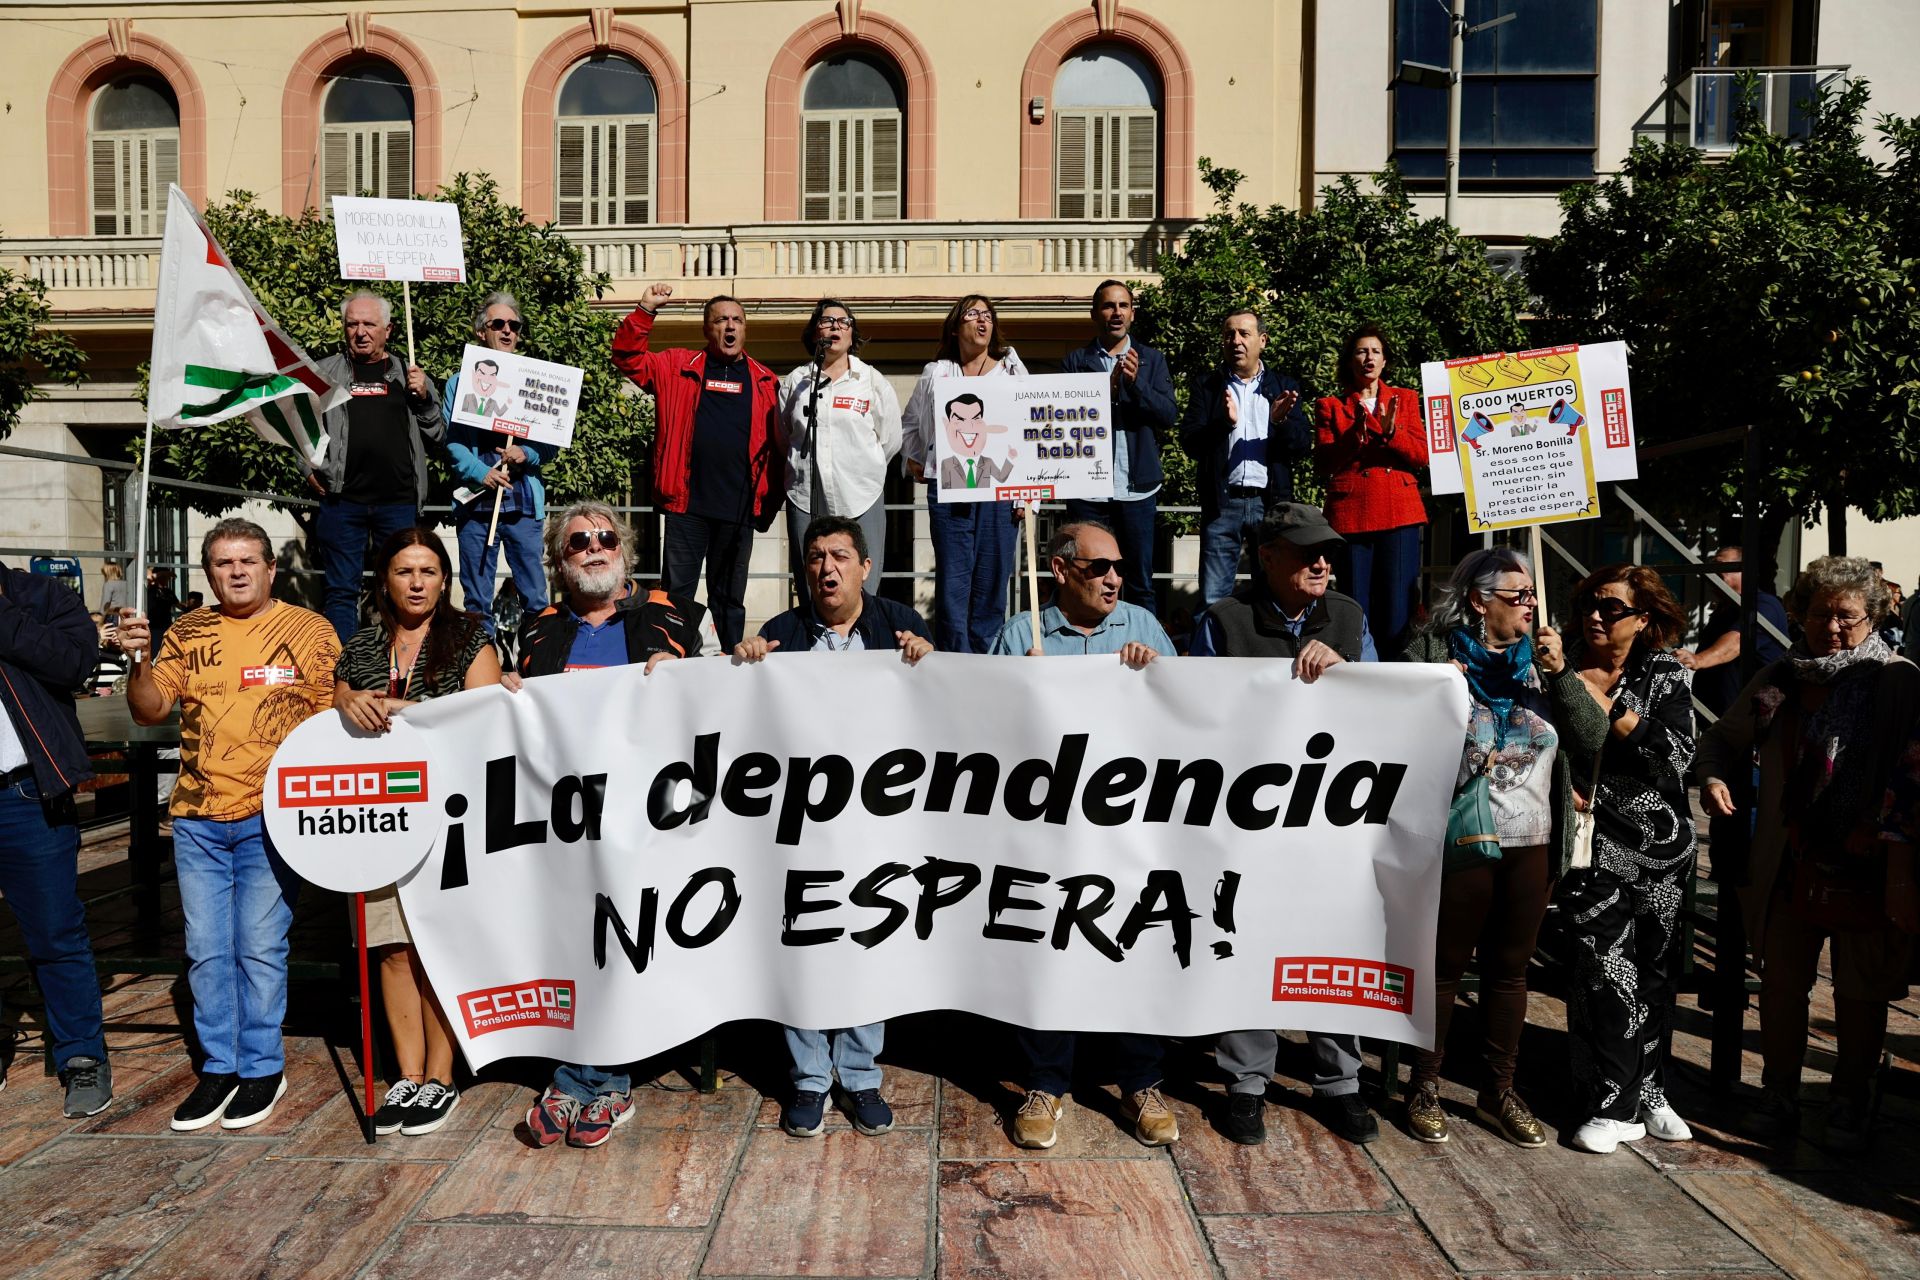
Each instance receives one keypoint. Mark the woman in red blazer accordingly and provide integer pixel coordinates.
(1373, 449)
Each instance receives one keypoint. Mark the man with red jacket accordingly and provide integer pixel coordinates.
(719, 453)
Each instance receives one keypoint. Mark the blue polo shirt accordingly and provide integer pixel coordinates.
(602, 645)
(1126, 624)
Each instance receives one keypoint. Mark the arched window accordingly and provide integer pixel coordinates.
(850, 130)
(608, 118)
(366, 133)
(1106, 135)
(134, 143)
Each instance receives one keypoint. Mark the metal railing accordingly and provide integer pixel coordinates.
(1782, 95)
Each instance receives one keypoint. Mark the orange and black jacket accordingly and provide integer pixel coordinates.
(48, 648)
(655, 622)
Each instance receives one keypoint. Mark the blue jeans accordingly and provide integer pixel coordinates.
(1136, 1059)
(726, 549)
(1236, 522)
(39, 865)
(1132, 525)
(583, 1083)
(526, 561)
(1382, 571)
(972, 560)
(845, 1051)
(237, 896)
(344, 534)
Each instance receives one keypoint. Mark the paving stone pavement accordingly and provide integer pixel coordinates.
(708, 1186)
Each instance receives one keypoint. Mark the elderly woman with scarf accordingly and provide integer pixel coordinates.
(1827, 724)
(1495, 895)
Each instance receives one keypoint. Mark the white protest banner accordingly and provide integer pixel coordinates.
(399, 240)
(827, 841)
(1579, 389)
(518, 396)
(1044, 438)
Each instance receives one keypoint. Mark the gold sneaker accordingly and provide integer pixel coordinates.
(1425, 1120)
(1153, 1120)
(1036, 1123)
(1514, 1121)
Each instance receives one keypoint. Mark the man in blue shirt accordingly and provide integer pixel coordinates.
(1088, 616)
(497, 464)
(838, 617)
(1143, 411)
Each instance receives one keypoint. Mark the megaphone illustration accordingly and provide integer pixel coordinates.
(1565, 415)
(1480, 425)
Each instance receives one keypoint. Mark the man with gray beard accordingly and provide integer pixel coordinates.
(601, 620)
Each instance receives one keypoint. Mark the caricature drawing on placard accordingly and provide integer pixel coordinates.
(478, 397)
(967, 432)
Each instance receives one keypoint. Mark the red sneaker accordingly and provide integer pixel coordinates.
(599, 1118)
(550, 1118)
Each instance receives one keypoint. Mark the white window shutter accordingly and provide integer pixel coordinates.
(336, 167)
(636, 174)
(816, 171)
(570, 175)
(106, 184)
(1071, 183)
(1143, 166)
(398, 147)
(166, 172)
(886, 168)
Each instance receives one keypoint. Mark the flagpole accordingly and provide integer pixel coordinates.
(139, 587)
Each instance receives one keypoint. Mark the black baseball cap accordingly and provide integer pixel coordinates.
(1299, 524)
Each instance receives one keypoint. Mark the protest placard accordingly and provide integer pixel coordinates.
(628, 860)
(518, 396)
(399, 240)
(1579, 388)
(1044, 438)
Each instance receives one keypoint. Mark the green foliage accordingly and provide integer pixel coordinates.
(1774, 288)
(1315, 275)
(30, 353)
(291, 264)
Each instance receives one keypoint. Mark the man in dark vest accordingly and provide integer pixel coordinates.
(1289, 611)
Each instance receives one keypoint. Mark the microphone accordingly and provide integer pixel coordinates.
(820, 348)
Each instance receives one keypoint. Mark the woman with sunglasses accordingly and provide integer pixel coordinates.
(843, 428)
(972, 541)
(1630, 698)
(489, 463)
(1829, 724)
(420, 648)
(1370, 442)
(1493, 898)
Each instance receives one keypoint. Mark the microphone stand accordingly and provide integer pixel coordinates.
(813, 394)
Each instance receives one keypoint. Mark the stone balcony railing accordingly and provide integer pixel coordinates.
(766, 260)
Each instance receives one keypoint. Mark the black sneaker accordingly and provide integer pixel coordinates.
(1246, 1121)
(89, 1083)
(1348, 1116)
(1773, 1119)
(393, 1108)
(208, 1101)
(253, 1101)
(430, 1108)
(867, 1110)
(806, 1115)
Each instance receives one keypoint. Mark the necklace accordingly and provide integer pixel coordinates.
(984, 361)
(396, 689)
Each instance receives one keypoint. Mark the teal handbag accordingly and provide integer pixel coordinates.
(1471, 838)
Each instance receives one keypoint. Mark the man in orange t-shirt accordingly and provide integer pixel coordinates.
(245, 675)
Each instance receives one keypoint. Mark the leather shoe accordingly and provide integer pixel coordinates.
(1348, 1116)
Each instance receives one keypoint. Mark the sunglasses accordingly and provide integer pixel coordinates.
(1098, 566)
(580, 539)
(1517, 595)
(1611, 610)
(498, 325)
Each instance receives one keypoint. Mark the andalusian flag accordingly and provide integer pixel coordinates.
(218, 355)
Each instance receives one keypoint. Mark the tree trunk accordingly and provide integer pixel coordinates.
(1837, 524)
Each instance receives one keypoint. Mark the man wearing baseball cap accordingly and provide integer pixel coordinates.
(1291, 611)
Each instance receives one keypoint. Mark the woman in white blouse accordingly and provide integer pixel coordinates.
(973, 542)
(840, 468)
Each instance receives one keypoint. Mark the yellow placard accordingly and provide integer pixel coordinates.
(1524, 446)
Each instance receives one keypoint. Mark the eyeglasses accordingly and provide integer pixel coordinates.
(1097, 566)
(1845, 621)
(834, 322)
(1611, 609)
(497, 324)
(580, 539)
(976, 313)
(1517, 595)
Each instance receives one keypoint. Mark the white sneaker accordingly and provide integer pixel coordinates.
(1664, 1123)
(1603, 1136)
